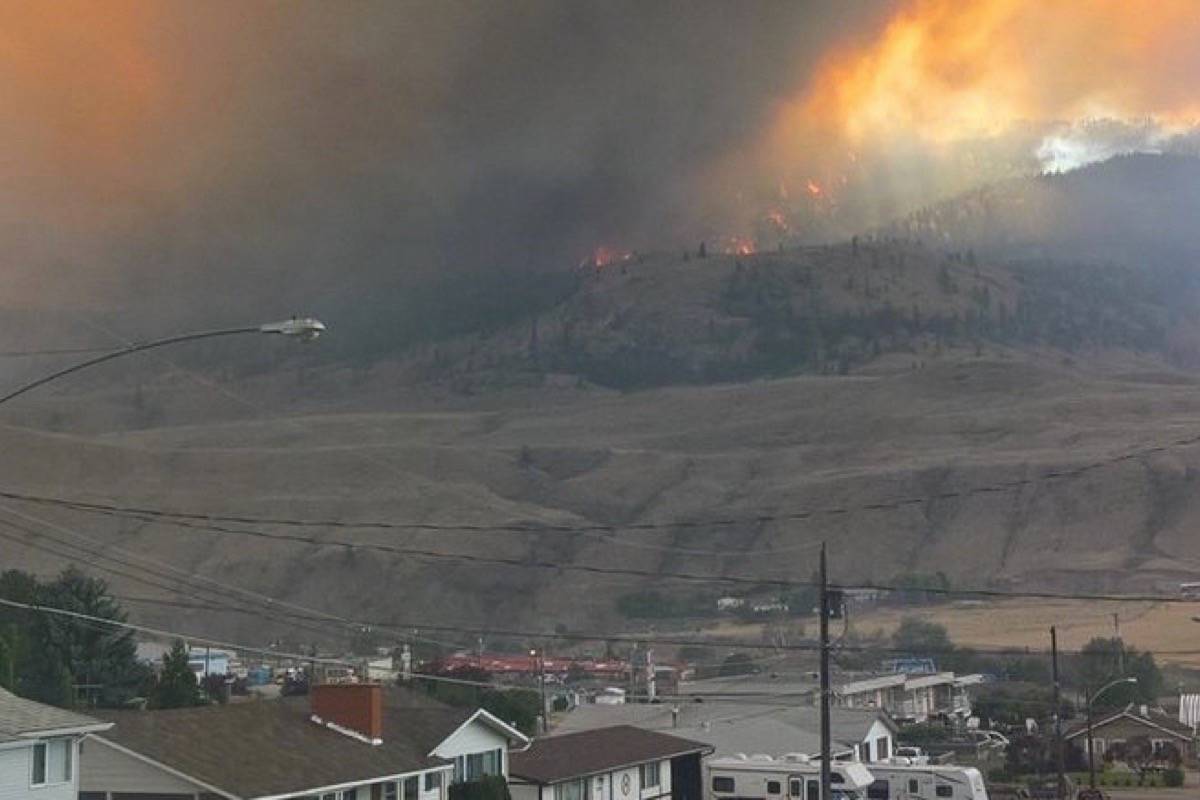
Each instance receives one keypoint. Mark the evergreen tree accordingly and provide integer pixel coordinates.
(176, 685)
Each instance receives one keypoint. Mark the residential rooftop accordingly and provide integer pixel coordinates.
(27, 719)
(273, 747)
(577, 755)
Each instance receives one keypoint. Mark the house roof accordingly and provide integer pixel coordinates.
(936, 679)
(485, 717)
(1153, 719)
(872, 684)
(25, 719)
(732, 728)
(576, 755)
(271, 747)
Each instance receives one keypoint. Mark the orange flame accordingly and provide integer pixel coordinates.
(738, 246)
(814, 188)
(604, 256)
(949, 70)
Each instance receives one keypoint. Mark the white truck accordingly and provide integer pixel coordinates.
(790, 777)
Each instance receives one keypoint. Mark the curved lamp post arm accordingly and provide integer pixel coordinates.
(1096, 694)
(305, 328)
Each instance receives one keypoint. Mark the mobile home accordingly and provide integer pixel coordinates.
(792, 777)
(899, 779)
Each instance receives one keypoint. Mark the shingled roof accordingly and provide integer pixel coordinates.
(576, 755)
(1149, 717)
(26, 719)
(271, 747)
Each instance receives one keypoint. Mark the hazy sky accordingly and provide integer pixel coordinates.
(166, 155)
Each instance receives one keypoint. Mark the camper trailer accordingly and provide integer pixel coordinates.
(792, 777)
(900, 779)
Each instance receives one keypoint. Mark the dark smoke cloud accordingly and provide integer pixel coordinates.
(206, 159)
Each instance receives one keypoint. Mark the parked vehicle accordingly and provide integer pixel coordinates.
(792, 777)
(915, 755)
(990, 738)
(900, 779)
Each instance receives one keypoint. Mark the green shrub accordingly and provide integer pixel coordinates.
(489, 787)
(1173, 777)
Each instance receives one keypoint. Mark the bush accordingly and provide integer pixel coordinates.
(489, 787)
(1173, 777)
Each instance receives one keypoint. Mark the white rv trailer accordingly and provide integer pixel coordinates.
(902, 779)
(791, 777)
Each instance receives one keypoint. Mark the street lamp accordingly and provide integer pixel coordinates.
(539, 664)
(1089, 697)
(306, 329)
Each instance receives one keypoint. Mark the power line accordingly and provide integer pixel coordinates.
(536, 528)
(533, 563)
(296, 622)
(65, 351)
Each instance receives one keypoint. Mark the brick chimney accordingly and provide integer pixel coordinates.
(355, 709)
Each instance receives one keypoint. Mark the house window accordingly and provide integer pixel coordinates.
(493, 761)
(881, 748)
(773, 787)
(411, 787)
(912, 785)
(944, 791)
(433, 780)
(389, 791)
(722, 784)
(570, 790)
(39, 764)
(53, 762)
(350, 794)
(879, 790)
(649, 775)
(795, 788)
(814, 790)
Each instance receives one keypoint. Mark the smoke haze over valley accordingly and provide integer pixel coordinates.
(589, 266)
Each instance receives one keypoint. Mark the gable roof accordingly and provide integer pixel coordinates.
(577, 755)
(732, 728)
(1154, 719)
(26, 719)
(271, 747)
(485, 717)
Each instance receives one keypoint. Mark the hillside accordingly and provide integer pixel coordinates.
(671, 454)
(866, 304)
(658, 388)
(1136, 210)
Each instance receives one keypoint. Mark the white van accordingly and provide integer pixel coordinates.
(792, 777)
(895, 779)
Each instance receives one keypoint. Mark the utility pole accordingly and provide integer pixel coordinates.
(826, 792)
(542, 689)
(1058, 742)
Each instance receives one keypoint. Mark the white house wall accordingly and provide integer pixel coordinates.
(16, 769)
(105, 769)
(876, 732)
(476, 737)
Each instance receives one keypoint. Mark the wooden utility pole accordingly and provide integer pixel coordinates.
(1058, 741)
(826, 793)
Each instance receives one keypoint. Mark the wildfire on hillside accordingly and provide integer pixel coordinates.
(604, 256)
(734, 245)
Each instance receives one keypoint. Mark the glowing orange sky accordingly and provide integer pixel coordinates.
(78, 79)
(946, 70)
